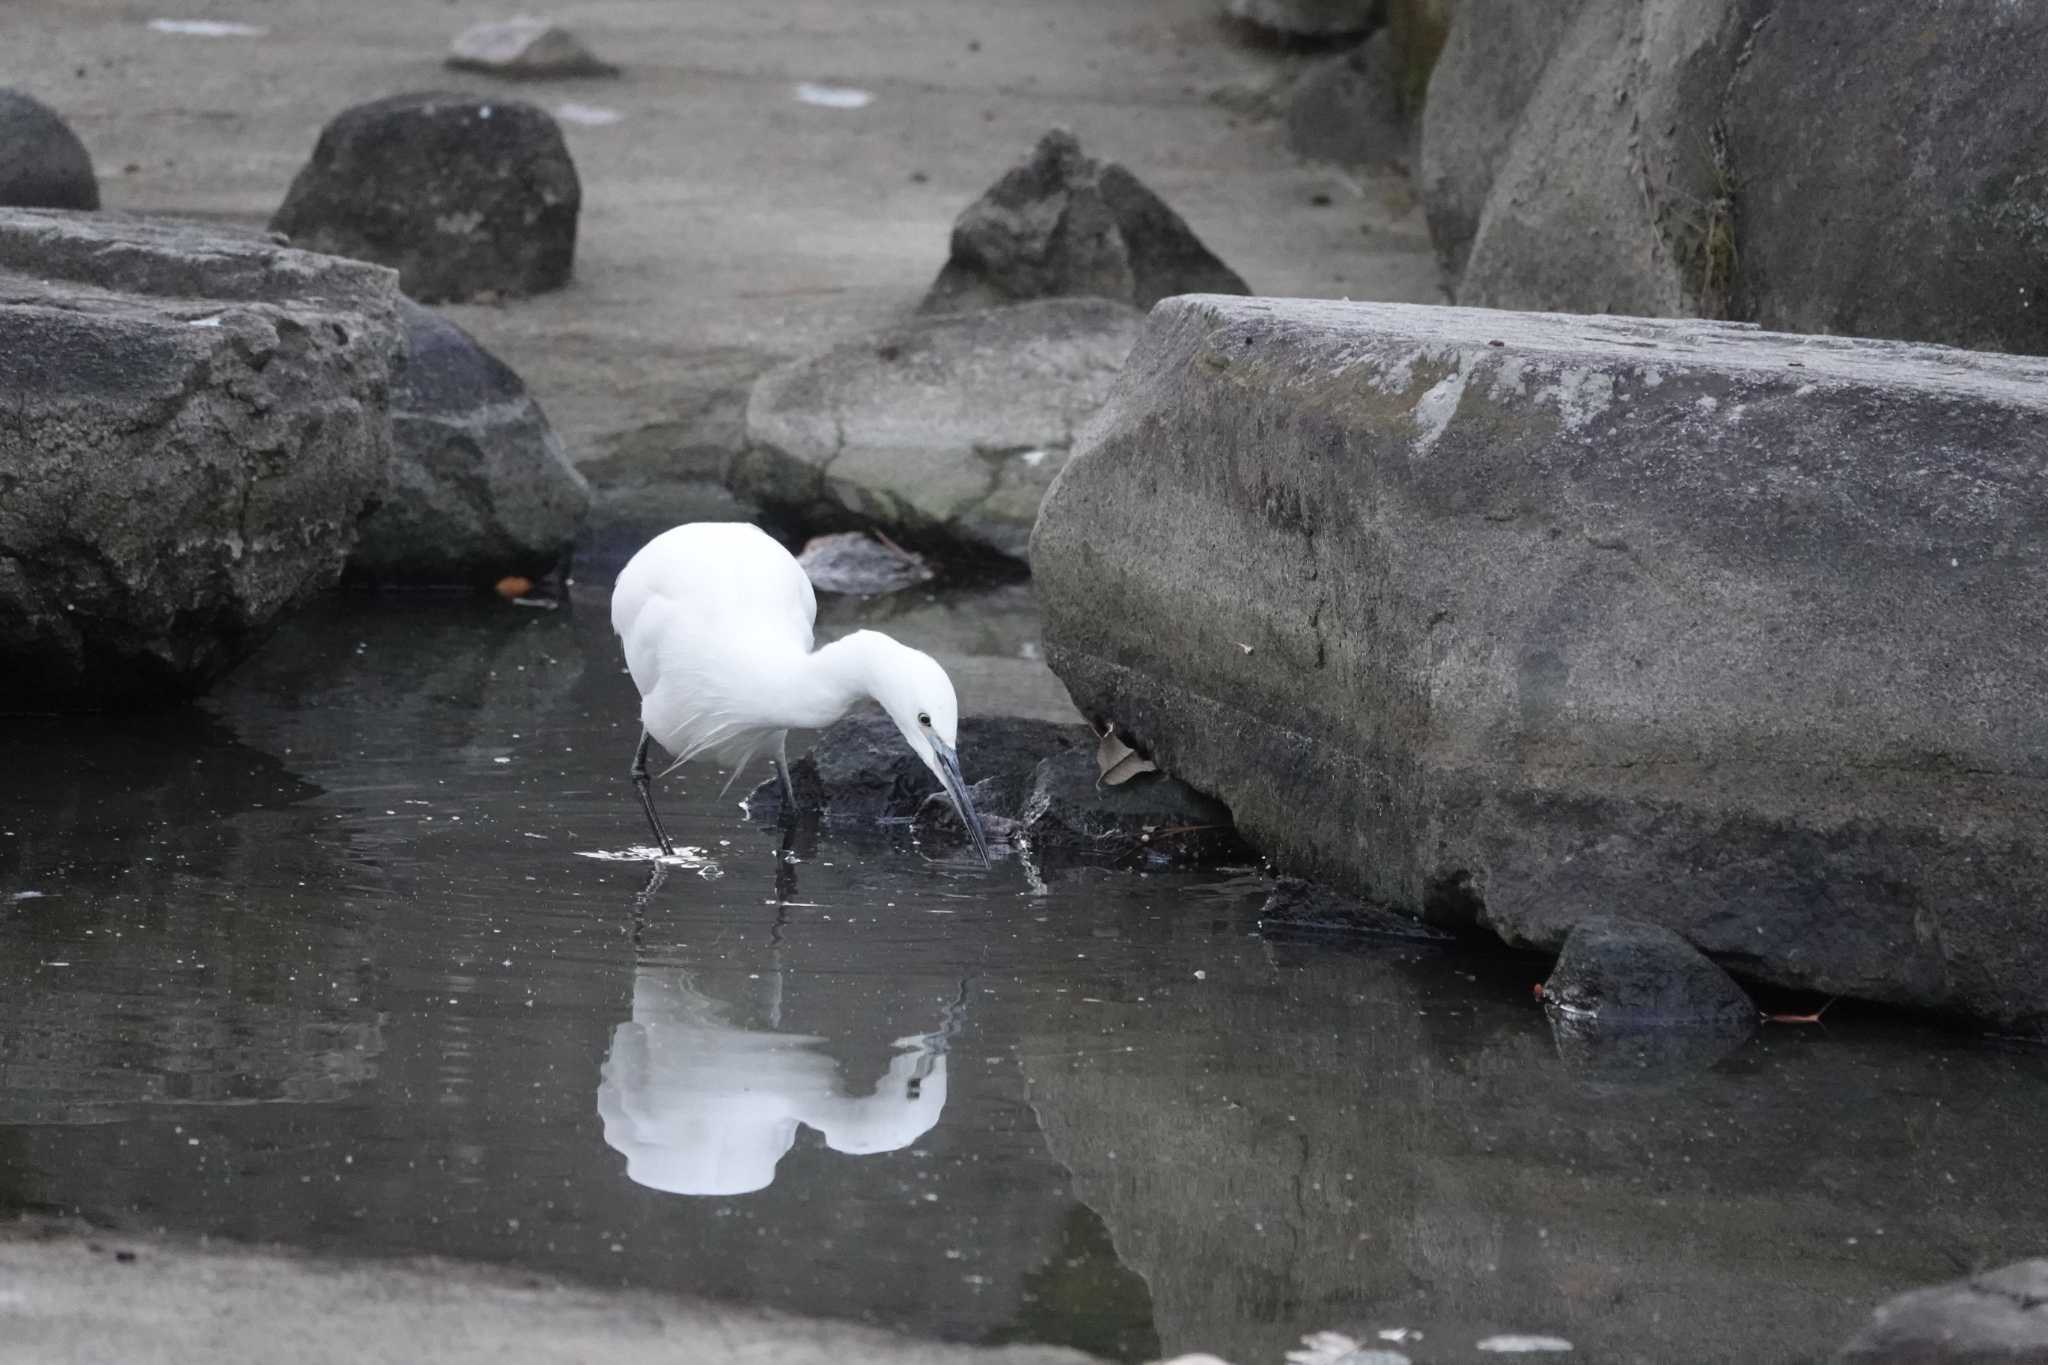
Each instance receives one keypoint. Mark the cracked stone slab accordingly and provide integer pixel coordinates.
(944, 429)
(1998, 1317)
(1511, 619)
(191, 423)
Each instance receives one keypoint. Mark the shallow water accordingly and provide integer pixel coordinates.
(361, 958)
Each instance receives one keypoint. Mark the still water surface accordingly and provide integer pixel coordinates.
(358, 958)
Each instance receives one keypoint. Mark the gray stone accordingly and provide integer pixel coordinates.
(1901, 145)
(1347, 108)
(191, 424)
(1492, 60)
(479, 485)
(1069, 808)
(1310, 18)
(525, 49)
(465, 196)
(1626, 972)
(42, 162)
(944, 430)
(1996, 1318)
(855, 562)
(1527, 617)
(1298, 907)
(1063, 223)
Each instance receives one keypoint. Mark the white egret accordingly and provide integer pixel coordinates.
(716, 619)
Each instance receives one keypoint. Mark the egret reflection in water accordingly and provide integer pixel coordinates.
(700, 1105)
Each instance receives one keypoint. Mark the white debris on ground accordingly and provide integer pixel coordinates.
(833, 96)
(207, 28)
(1512, 1343)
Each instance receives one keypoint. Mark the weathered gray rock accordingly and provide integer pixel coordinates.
(1869, 142)
(1348, 108)
(1996, 1318)
(1627, 973)
(480, 486)
(944, 429)
(1526, 617)
(465, 196)
(855, 562)
(1492, 60)
(1062, 223)
(1310, 18)
(42, 162)
(190, 425)
(525, 48)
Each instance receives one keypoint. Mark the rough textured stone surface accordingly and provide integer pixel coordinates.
(1627, 972)
(1068, 808)
(1874, 142)
(463, 195)
(1063, 223)
(1528, 617)
(1997, 1318)
(1492, 60)
(1347, 108)
(479, 486)
(525, 49)
(191, 424)
(42, 162)
(942, 429)
(1310, 18)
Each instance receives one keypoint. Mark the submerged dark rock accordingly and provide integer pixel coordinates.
(1298, 907)
(42, 162)
(1063, 223)
(463, 195)
(191, 424)
(1997, 1318)
(480, 485)
(855, 562)
(1068, 807)
(1627, 973)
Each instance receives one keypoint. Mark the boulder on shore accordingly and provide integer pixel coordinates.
(42, 162)
(1617, 972)
(943, 430)
(465, 196)
(480, 486)
(1529, 616)
(1348, 109)
(1998, 1316)
(1062, 223)
(191, 425)
(524, 48)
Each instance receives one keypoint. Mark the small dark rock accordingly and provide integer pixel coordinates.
(1347, 108)
(480, 486)
(2000, 1316)
(861, 772)
(463, 195)
(1068, 808)
(1062, 223)
(1295, 906)
(1626, 973)
(855, 562)
(42, 162)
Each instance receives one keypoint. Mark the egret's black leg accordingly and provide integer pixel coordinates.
(640, 784)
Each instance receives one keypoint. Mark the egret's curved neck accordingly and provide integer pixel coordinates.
(828, 681)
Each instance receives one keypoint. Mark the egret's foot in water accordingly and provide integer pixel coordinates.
(641, 784)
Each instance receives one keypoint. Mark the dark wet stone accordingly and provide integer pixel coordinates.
(480, 486)
(1347, 108)
(1637, 1057)
(1063, 223)
(1309, 18)
(42, 162)
(194, 422)
(464, 195)
(1068, 808)
(1624, 972)
(1296, 906)
(855, 562)
(860, 771)
(1997, 1318)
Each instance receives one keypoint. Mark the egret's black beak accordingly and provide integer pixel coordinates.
(956, 790)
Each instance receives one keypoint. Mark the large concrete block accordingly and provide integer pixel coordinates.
(1518, 618)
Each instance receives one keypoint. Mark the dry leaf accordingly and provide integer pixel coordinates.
(509, 588)
(1118, 762)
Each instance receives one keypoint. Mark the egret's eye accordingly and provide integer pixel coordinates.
(924, 718)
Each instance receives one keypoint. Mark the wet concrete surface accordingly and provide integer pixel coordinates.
(365, 958)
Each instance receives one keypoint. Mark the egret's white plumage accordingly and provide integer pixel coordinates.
(716, 619)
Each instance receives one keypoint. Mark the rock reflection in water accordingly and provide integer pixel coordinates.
(698, 1104)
